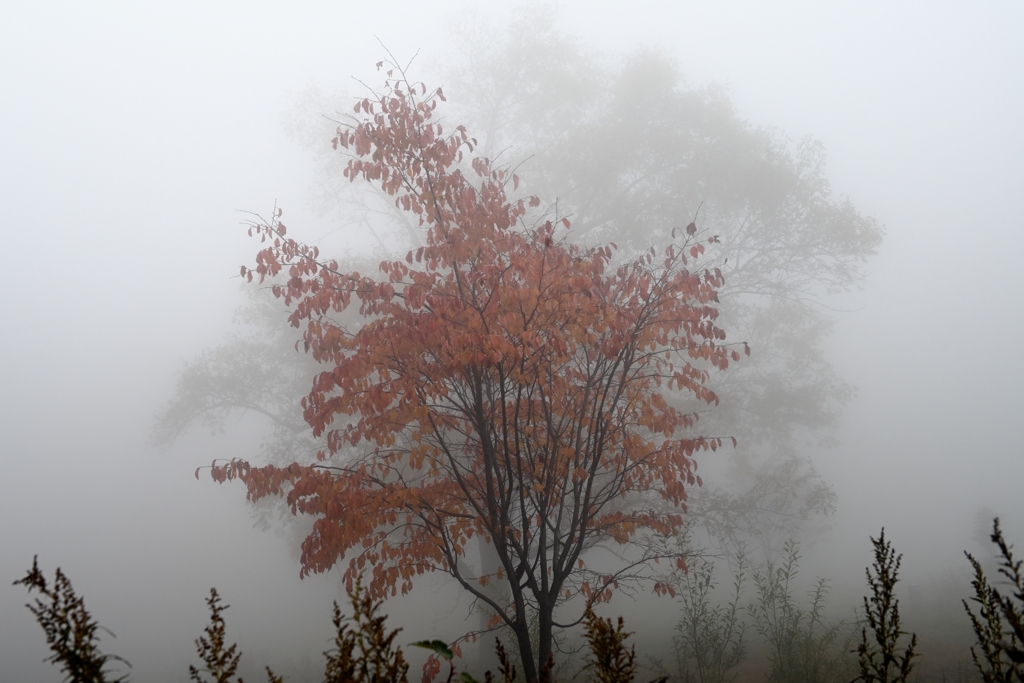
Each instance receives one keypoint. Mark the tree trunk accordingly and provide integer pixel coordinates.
(544, 642)
(526, 648)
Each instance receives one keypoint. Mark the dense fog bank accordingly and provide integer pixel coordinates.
(133, 138)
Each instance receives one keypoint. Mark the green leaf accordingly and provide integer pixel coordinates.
(438, 646)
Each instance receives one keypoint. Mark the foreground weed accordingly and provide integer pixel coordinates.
(999, 624)
(71, 632)
(220, 660)
(365, 652)
(506, 668)
(879, 660)
(610, 661)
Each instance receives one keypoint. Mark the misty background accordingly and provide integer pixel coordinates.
(131, 138)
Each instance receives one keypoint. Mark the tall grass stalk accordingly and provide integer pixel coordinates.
(999, 624)
(71, 632)
(880, 661)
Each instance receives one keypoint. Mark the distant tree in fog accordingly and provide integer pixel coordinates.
(628, 151)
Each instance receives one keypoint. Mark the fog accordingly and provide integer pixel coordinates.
(133, 139)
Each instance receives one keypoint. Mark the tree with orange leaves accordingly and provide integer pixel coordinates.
(503, 385)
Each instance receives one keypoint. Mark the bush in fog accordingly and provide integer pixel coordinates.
(709, 641)
(802, 646)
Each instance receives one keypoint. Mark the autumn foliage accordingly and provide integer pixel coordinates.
(504, 384)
